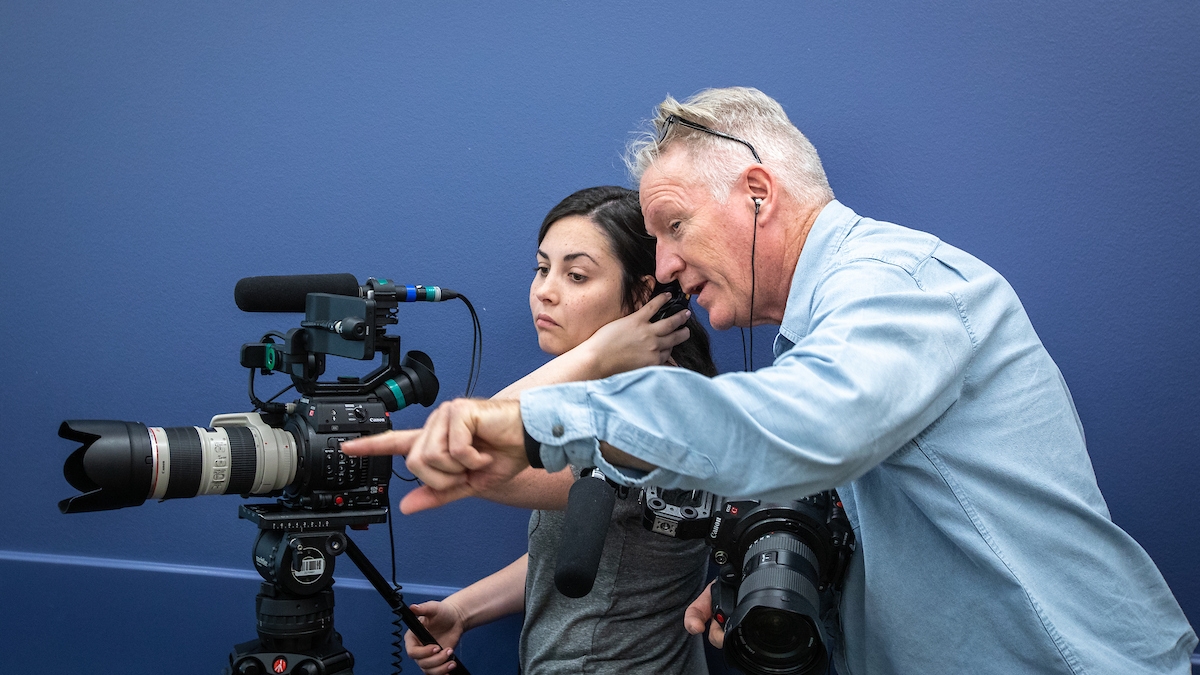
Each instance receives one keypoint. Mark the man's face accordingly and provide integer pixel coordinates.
(701, 242)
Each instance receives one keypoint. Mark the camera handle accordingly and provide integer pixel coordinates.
(395, 600)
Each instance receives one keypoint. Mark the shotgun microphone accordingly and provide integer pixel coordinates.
(589, 510)
(288, 293)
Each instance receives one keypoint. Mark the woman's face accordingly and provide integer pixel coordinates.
(576, 287)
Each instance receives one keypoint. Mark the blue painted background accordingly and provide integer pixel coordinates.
(153, 153)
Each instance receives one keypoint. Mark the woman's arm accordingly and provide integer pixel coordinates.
(628, 343)
(484, 601)
(625, 344)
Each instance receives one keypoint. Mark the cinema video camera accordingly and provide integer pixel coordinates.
(780, 566)
(287, 451)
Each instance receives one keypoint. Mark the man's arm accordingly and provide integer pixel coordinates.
(625, 344)
(539, 489)
(467, 447)
(881, 360)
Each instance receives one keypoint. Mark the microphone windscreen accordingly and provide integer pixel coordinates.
(288, 293)
(585, 526)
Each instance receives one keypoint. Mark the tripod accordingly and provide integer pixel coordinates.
(295, 553)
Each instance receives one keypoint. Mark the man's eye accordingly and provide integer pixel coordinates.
(674, 226)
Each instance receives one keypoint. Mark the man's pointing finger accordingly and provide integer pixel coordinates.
(387, 443)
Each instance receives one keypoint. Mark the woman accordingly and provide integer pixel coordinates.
(591, 305)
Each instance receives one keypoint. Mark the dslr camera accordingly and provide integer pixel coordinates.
(781, 565)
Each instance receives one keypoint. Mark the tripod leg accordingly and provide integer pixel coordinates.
(395, 600)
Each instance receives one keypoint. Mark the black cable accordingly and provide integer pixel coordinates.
(753, 276)
(265, 406)
(414, 479)
(397, 643)
(281, 392)
(392, 542)
(257, 404)
(397, 622)
(748, 364)
(476, 347)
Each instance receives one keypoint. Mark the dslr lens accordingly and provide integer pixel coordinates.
(773, 629)
(775, 632)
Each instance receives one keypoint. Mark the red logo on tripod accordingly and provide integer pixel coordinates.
(279, 665)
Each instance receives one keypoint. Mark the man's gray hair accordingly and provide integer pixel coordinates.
(749, 115)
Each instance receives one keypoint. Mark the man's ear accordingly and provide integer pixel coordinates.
(644, 289)
(759, 184)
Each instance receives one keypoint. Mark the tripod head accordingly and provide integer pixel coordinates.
(295, 553)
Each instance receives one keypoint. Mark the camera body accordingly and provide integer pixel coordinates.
(332, 479)
(325, 479)
(780, 565)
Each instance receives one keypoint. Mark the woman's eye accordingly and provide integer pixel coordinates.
(575, 276)
(541, 270)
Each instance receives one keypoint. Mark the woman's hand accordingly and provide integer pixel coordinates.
(633, 342)
(445, 621)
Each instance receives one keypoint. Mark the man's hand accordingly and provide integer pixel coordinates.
(699, 614)
(466, 445)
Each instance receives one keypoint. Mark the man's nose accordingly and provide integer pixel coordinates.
(667, 265)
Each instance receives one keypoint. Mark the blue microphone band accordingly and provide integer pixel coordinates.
(422, 293)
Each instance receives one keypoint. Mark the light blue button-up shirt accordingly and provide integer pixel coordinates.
(907, 375)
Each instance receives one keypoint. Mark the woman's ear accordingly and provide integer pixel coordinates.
(644, 289)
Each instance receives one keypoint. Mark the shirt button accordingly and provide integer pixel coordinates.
(557, 430)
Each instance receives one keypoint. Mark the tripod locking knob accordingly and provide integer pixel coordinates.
(249, 667)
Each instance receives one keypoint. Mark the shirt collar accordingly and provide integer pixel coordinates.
(824, 238)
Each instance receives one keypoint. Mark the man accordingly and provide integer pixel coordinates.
(906, 374)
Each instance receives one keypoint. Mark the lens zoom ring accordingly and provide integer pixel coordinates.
(242, 460)
(782, 542)
(779, 579)
(186, 460)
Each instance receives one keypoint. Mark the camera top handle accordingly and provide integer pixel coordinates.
(351, 327)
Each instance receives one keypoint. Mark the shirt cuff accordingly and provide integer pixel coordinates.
(558, 418)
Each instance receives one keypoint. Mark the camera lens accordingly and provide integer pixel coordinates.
(773, 629)
(125, 463)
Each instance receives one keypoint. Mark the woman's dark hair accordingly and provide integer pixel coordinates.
(616, 211)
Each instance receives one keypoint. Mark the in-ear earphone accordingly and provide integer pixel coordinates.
(757, 204)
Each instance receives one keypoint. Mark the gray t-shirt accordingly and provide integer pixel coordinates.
(632, 620)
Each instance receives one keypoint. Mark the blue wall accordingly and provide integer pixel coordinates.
(153, 153)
